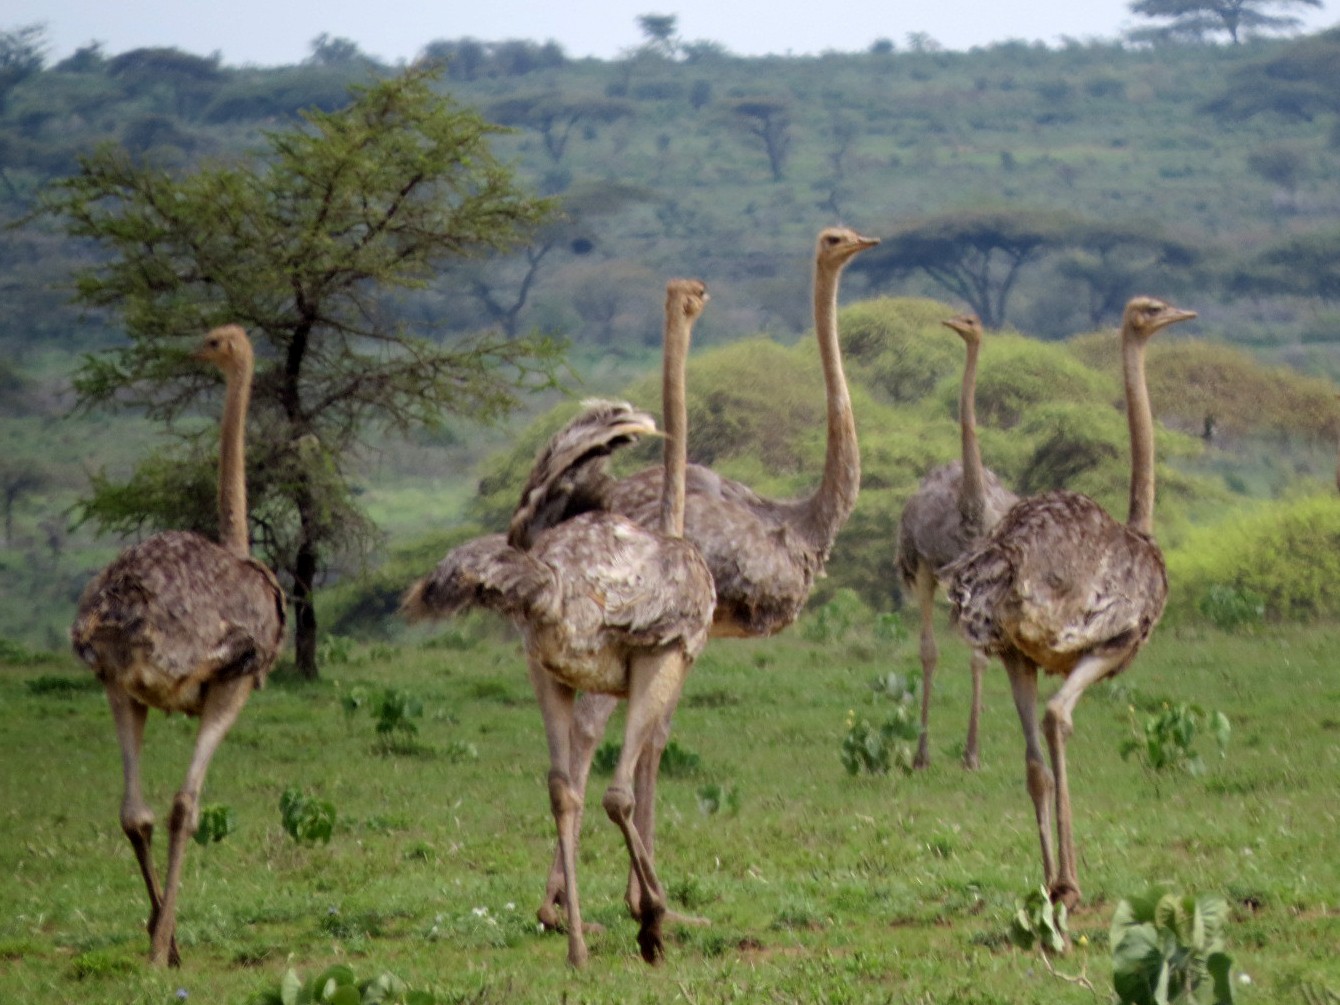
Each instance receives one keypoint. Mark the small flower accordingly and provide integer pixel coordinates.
(1244, 978)
(1083, 940)
(480, 912)
(182, 994)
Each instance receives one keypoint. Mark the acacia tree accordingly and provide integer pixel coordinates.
(1198, 18)
(975, 255)
(309, 247)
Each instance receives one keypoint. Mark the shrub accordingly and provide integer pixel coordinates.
(216, 823)
(1281, 558)
(1168, 948)
(1039, 922)
(306, 820)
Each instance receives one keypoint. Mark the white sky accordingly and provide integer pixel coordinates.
(275, 32)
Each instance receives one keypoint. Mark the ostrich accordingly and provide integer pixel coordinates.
(952, 510)
(606, 606)
(182, 624)
(1061, 585)
(764, 554)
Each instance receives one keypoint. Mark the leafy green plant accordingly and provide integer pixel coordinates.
(1232, 608)
(713, 797)
(889, 628)
(307, 820)
(395, 711)
(901, 688)
(1165, 741)
(353, 700)
(338, 985)
(1169, 948)
(335, 650)
(216, 823)
(835, 619)
(876, 749)
(1039, 922)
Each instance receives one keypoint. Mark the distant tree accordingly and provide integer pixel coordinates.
(308, 247)
(191, 80)
(1307, 265)
(660, 32)
(21, 56)
(1114, 261)
(976, 255)
(1299, 81)
(19, 476)
(769, 121)
(554, 116)
(1197, 18)
(328, 50)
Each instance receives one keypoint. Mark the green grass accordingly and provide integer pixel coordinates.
(820, 887)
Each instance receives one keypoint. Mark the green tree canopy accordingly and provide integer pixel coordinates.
(306, 247)
(1197, 18)
(976, 255)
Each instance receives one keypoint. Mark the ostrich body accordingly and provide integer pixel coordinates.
(764, 554)
(605, 606)
(182, 624)
(1062, 586)
(951, 512)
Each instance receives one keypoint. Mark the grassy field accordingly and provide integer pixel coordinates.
(821, 887)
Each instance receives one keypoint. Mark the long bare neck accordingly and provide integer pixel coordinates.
(1141, 421)
(827, 510)
(972, 491)
(675, 425)
(232, 461)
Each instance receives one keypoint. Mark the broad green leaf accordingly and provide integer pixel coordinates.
(290, 987)
(1136, 963)
(1220, 965)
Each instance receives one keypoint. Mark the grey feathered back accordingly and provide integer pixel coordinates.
(933, 527)
(1057, 579)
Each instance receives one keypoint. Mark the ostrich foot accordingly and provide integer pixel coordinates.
(923, 756)
(649, 938)
(1065, 892)
(553, 917)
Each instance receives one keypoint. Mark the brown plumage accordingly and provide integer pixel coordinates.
(951, 511)
(764, 554)
(182, 624)
(1062, 586)
(605, 605)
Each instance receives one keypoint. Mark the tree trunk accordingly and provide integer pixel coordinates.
(304, 610)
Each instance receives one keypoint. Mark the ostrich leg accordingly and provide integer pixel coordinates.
(223, 704)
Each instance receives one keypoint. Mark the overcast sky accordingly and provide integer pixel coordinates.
(276, 32)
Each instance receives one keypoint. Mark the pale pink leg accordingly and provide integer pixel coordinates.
(223, 703)
(655, 681)
(1041, 785)
(137, 819)
(1058, 725)
(556, 700)
(925, 591)
(590, 714)
(971, 760)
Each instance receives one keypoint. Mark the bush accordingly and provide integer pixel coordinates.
(1280, 561)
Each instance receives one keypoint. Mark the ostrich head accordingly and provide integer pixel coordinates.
(691, 295)
(837, 245)
(968, 326)
(226, 347)
(1144, 316)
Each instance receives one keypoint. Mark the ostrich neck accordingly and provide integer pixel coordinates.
(675, 422)
(827, 510)
(972, 492)
(232, 462)
(1141, 422)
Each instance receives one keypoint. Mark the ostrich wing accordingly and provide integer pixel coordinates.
(486, 572)
(1058, 579)
(624, 585)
